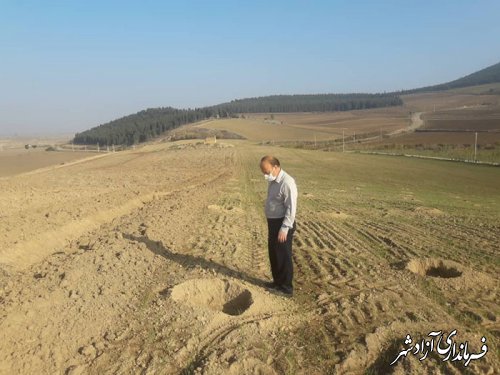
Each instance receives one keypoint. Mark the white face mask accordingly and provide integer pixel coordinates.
(269, 177)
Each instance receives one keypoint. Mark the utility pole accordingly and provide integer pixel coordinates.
(343, 140)
(475, 149)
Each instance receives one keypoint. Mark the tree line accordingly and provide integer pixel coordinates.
(140, 127)
(152, 122)
(310, 103)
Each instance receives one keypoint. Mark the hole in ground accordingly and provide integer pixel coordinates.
(434, 268)
(443, 271)
(218, 295)
(239, 304)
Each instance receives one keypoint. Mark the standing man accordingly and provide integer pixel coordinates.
(281, 205)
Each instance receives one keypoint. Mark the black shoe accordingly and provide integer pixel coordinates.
(284, 291)
(270, 285)
(287, 290)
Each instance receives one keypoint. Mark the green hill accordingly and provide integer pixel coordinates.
(150, 123)
(484, 76)
(309, 103)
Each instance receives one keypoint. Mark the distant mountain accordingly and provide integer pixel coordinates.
(490, 74)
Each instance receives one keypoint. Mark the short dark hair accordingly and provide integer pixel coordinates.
(271, 160)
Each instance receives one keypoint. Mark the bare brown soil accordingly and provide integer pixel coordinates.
(153, 261)
(473, 109)
(20, 160)
(443, 138)
(429, 102)
(485, 118)
(457, 116)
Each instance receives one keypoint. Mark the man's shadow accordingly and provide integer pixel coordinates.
(187, 260)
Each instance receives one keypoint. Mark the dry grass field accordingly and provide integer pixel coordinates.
(452, 99)
(16, 159)
(314, 126)
(487, 89)
(475, 107)
(20, 160)
(389, 129)
(153, 260)
(258, 129)
(429, 138)
(484, 118)
(449, 133)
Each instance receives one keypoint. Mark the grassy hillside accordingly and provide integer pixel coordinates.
(313, 126)
(140, 127)
(484, 76)
(144, 125)
(310, 103)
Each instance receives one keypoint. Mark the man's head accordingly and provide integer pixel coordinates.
(269, 165)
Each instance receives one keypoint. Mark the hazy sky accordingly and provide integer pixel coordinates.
(66, 66)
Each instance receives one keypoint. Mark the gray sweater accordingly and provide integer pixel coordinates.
(282, 199)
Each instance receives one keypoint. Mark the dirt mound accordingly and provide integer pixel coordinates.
(214, 294)
(217, 208)
(250, 366)
(429, 211)
(339, 215)
(434, 268)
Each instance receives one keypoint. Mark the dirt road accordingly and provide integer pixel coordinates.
(415, 123)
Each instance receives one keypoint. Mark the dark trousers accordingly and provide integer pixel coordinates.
(280, 254)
